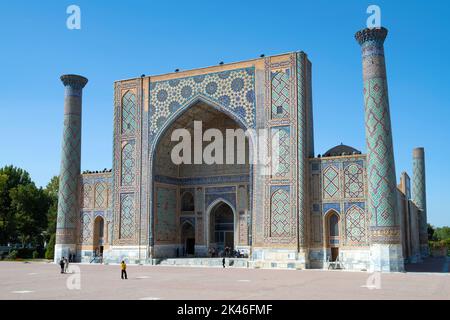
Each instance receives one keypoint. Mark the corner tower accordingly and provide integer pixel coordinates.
(385, 245)
(70, 167)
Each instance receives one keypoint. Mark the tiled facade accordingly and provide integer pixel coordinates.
(147, 205)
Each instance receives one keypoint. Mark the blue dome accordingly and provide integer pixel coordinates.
(341, 150)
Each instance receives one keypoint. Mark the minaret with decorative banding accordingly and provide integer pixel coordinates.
(385, 246)
(70, 167)
(419, 197)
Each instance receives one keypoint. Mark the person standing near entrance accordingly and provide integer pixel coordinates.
(66, 265)
(61, 264)
(124, 270)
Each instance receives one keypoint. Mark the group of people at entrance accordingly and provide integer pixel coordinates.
(227, 252)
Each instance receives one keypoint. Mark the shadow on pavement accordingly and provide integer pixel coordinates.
(431, 264)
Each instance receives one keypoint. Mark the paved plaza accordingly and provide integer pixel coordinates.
(40, 280)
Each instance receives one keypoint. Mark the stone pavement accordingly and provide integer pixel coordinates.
(43, 281)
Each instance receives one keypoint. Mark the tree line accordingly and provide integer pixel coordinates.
(439, 237)
(27, 214)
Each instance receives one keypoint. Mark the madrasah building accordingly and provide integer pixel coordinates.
(341, 205)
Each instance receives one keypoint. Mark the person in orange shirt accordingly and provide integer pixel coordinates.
(124, 270)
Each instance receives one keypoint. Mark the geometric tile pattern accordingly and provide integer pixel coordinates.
(301, 148)
(166, 213)
(380, 156)
(232, 90)
(419, 194)
(86, 230)
(128, 164)
(418, 190)
(110, 196)
(382, 184)
(281, 150)
(87, 196)
(280, 217)
(70, 170)
(68, 193)
(129, 113)
(330, 182)
(127, 216)
(280, 94)
(353, 181)
(355, 225)
(100, 195)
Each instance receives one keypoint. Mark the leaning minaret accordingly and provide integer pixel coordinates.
(419, 197)
(385, 245)
(70, 167)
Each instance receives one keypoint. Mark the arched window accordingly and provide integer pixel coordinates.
(187, 202)
(129, 113)
(334, 225)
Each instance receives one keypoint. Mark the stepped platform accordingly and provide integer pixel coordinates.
(203, 262)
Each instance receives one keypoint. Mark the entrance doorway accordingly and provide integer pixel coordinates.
(333, 235)
(188, 239)
(172, 208)
(99, 225)
(222, 227)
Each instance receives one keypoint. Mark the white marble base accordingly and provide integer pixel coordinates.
(63, 250)
(386, 258)
(129, 254)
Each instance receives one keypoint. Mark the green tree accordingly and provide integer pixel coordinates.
(442, 233)
(52, 192)
(30, 205)
(430, 230)
(50, 251)
(10, 178)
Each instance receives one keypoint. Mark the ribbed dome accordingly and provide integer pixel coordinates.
(341, 150)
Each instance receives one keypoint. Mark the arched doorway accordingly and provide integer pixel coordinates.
(183, 189)
(99, 226)
(332, 234)
(188, 239)
(221, 226)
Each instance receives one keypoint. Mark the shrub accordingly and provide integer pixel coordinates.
(12, 255)
(25, 253)
(35, 254)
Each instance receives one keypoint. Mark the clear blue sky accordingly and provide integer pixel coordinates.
(123, 39)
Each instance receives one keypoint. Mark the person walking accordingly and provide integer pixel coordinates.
(223, 262)
(61, 264)
(66, 265)
(124, 270)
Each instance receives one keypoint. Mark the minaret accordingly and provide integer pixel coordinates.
(385, 245)
(419, 197)
(70, 167)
